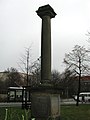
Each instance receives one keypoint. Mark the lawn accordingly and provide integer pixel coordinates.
(14, 114)
(68, 112)
(72, 112)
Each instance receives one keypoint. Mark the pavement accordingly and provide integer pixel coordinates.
(67, 101)
(19, 104)
(11, 104)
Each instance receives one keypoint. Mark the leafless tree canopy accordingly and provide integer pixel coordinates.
(78, 60)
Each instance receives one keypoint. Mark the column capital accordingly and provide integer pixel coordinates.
(46, 10)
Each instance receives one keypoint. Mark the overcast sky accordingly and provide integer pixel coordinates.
(20, 27)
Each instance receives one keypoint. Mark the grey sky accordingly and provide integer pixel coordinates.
(20, 27)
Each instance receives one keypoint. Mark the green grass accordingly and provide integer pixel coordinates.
(14, 114)
(72, 112)
(68, 112)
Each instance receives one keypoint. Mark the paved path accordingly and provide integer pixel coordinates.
(70, 101)
(10, 104)
(19, 104)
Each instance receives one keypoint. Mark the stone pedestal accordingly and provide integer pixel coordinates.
(45, 104)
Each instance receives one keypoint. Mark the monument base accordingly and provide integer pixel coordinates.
(45, 104)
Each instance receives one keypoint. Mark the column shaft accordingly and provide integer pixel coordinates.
(46, 49)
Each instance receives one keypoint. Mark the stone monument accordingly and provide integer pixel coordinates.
(45, 99)
(46, 13)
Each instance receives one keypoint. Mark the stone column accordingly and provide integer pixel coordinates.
(45, 98)
(46, 13)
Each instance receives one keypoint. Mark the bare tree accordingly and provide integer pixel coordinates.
(13, 77)
(55, 77)
(25, 64)
(78, 61)
(36, 71)
(88, 34)
(68, 83)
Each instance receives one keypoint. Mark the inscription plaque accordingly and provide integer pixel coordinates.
(40, 106)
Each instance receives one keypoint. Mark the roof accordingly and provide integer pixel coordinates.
(85, 93)
(86, 78)
(16, 88)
